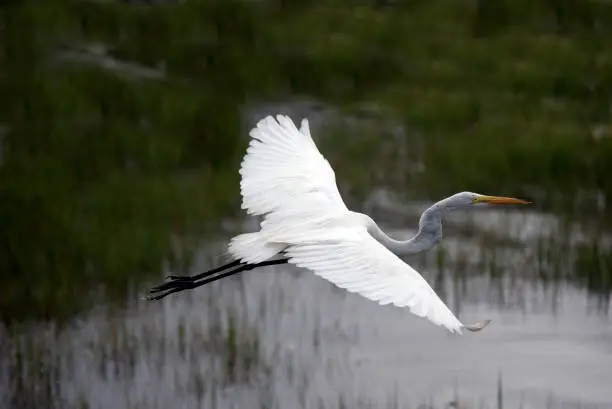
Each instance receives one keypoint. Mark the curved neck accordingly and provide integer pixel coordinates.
(428, 235)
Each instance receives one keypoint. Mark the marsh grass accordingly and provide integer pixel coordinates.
(42, 367)
(594, 265)
(102, 172)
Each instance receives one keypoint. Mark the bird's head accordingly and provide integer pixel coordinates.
(465, 200)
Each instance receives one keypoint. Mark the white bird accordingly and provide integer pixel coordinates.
(287, 181)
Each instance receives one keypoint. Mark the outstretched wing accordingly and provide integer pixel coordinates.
(355, 261)
(287, 180)
(283, 169)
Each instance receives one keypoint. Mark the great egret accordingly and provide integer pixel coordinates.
(286, 180)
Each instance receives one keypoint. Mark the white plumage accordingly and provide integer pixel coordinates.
(286, 180)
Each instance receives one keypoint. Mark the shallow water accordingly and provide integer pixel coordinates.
(284, 338)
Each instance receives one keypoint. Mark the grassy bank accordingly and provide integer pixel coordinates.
(101, 164)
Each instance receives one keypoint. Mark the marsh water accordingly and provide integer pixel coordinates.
(283, 338)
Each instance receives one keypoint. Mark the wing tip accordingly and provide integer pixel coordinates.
(477, 326)
(305, 127)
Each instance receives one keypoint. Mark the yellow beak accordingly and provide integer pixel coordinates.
(499, 200)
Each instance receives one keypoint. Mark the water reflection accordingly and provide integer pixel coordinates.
(284, 338)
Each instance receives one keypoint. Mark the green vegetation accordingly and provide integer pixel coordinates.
(100, 166)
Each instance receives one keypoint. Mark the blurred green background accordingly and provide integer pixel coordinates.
(122, 123)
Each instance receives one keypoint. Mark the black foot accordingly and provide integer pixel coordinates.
(174, 282)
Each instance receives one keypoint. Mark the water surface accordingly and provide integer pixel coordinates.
(283, 338)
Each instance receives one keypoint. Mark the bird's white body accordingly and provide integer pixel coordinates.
(287, 181)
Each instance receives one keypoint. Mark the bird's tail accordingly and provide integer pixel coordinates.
(253, 247)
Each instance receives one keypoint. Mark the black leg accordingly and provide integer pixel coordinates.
(205, 273)
(188, 285)
(181, 285)
(175, 281)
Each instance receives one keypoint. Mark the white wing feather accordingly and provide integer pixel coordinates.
(283, 167)
(353, 260)
(287, 180)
